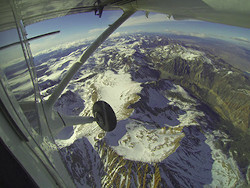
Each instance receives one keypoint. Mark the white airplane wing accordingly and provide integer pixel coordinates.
(230, 12)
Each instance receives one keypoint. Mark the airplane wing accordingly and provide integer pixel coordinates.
(230, 12)
(38, 10)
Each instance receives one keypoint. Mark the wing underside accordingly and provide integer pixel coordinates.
(233, 12)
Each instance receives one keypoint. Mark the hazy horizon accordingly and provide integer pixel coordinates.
(89, 26)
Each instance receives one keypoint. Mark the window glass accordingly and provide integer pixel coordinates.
(179, 89)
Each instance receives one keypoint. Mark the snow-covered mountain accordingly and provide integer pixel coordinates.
(165, 137)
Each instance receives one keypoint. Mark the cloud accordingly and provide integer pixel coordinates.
(200, 35)
(118, 34)
(62, 46)
(241, 39)
(136, 21)
(96, 30)
(142, 20)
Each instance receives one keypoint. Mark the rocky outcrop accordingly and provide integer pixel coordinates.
(69, 104)
(224, 88)
(83, 163)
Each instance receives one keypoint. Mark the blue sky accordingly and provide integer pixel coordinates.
(87, 25)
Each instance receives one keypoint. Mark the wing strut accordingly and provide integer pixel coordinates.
(59, 89)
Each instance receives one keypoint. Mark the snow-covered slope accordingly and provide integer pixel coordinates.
(164, 136)
(117, 89)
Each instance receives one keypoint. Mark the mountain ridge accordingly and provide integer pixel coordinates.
(198, 152)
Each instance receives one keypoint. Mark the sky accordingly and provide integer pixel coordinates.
(89, 26)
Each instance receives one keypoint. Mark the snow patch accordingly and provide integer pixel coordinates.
(225, 171)
(179, 89)
(117, 89)
(145, 145)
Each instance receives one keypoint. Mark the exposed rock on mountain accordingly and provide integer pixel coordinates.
(222, 87)
(168, 98)
(69, 104)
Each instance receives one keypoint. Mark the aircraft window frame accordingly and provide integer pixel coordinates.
(6, 106)
(41, 143)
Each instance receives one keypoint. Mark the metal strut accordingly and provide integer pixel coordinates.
(71, 72)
